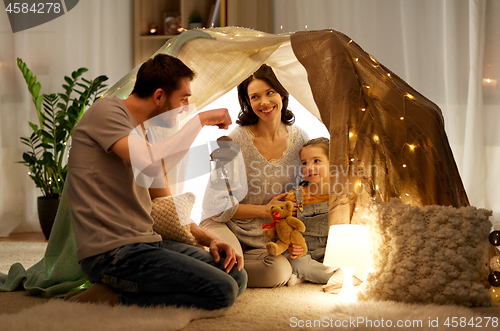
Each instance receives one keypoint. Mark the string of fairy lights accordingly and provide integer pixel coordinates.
(367, 89)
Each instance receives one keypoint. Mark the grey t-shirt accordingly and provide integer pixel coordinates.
(109, 209)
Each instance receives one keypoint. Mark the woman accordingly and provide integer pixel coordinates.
(270, 147)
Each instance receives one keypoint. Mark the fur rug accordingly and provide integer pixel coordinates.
(303, 306)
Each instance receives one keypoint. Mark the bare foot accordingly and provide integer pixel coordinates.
(96, 293)
(72, 294)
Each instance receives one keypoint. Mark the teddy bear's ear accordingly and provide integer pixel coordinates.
(289, 205)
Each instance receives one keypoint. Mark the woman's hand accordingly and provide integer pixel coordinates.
(295, 251)
(274, 201)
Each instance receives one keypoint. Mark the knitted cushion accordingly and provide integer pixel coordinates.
(431, 254)
(171, 217)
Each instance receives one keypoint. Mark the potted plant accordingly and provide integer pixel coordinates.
(195, 21)
(46, 157)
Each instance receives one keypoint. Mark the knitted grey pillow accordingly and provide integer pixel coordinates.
(432, 254)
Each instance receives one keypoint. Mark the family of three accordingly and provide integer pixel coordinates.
(120, 254)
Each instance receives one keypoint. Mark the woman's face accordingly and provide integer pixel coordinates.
(314, 164)
(265, 101)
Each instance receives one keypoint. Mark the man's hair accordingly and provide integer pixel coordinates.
(246, 115)
(162, 71)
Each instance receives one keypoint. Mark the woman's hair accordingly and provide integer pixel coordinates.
(162, 71)
(246, 115)
(322, 142)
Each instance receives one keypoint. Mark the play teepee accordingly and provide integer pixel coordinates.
(387, 140)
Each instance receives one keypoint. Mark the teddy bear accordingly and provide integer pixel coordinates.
(286, 227)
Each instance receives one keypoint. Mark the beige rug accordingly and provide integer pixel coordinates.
(303, 306)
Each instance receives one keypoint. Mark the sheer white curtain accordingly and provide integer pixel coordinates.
(96, 34)
(449, 50)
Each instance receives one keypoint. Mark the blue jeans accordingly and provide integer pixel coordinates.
(166, 273)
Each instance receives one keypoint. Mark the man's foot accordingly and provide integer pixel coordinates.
(96, 293)
(72, 294)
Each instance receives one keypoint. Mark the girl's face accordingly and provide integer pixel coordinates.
(315, 164)
(265, 101)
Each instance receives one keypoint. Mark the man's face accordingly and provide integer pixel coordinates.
(171, 106)
(180, 97)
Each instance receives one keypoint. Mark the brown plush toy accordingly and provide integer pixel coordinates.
(286, 227)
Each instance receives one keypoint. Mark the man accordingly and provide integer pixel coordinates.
(121, 255)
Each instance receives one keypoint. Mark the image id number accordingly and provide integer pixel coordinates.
(36, 8)
(478, 322)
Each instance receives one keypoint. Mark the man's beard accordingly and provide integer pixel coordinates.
(165, 119)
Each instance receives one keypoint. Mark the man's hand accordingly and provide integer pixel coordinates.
(295, 251)
(216, 117)
(217, 246)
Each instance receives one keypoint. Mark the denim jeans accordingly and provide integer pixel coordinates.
(310, 266)
(166, 273)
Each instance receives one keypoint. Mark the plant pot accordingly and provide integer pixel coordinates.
(47, 210)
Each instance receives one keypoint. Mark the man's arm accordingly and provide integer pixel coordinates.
(134, 150)
(217, 246)
(159, 192)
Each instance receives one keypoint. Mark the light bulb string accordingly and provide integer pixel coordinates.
(363, 89)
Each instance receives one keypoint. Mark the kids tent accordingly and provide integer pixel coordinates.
(386, 139)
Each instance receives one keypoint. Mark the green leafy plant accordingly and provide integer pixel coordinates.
(195, 17)
(48, 143)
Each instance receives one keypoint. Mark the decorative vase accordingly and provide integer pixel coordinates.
(47, 210)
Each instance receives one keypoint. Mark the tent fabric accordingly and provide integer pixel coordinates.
(58, 272)
(377, 124)
(386, 139)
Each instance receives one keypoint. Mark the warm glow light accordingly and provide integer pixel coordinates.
(404, 165)
(373, 59)
(347, 248)
(352, 160)
(389, 75)
(351, 134)
(412, 147)
(409, 96)
(375, 138)
(356, 59)
(401, 118)
(489, 82)
(363, 109)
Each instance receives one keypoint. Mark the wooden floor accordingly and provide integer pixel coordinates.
(25, 237)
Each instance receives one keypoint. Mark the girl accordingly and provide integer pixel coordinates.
(311, 197)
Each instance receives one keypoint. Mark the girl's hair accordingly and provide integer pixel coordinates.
(246, 115)
(322, 142)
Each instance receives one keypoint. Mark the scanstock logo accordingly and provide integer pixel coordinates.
(27, 14)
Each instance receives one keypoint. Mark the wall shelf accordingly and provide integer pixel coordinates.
(255, 14)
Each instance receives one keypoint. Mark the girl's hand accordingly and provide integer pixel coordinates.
(295, 251)
(294, 211)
